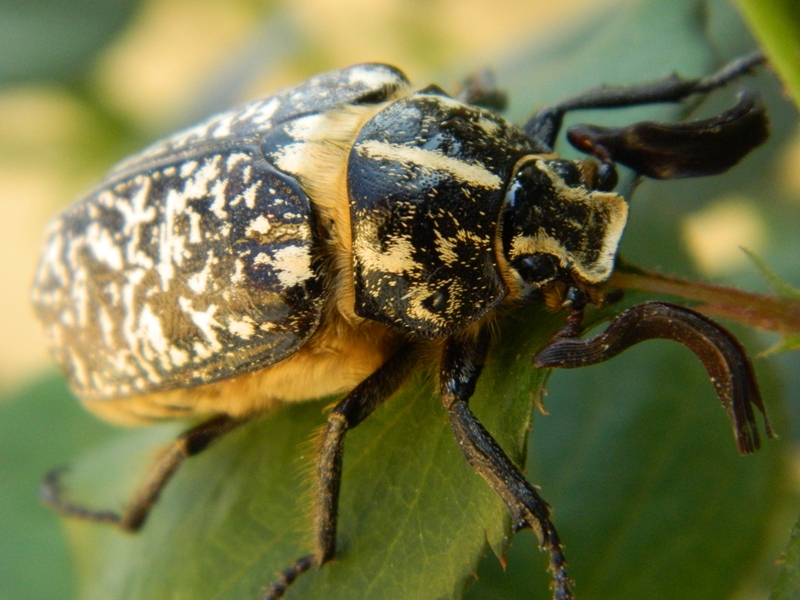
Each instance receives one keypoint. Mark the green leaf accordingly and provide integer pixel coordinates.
(56, 39)
(40, 428)
(776, 23)
(781, 288)
(414, 518)
(787, 344)
(787, 586)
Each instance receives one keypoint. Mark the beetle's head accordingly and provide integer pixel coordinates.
(560, 228)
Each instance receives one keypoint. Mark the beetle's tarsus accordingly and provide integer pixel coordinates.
(727, 363)
(51, 493)
(192, 442)
(287, 577)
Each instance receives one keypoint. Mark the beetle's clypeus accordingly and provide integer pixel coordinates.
(310, 243)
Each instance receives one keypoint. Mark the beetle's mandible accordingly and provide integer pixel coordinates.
(311, 243)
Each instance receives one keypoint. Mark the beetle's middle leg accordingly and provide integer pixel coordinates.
(462, 363)
(349, 412)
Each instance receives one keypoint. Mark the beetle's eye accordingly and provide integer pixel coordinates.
(568, 171)
(536, 268)
(436, 302)
(606, 177)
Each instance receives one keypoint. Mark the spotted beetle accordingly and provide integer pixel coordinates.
(310, 243)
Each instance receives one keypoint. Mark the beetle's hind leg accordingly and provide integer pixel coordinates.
(349, 412)
(192, 442)
(462, 363)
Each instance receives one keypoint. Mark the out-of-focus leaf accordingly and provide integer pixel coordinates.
(787, 587)
(776, 23)
(56, 39)
(414, 518)
(41, 428)
(789, 343)
(775, 282)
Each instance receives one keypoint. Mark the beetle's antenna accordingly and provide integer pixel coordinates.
(546, 124)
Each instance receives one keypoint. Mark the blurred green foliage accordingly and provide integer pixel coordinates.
(53, 40)
(776, 24)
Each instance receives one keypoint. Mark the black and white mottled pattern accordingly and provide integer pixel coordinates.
(360, 84)
(581, 228)
(194, 272)
(197, 259)
(427, 178)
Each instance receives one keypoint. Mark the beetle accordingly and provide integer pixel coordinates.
(310, 243)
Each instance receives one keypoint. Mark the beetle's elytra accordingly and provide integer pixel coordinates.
(307, 244)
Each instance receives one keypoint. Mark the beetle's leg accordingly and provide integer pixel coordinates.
(461, 366)
(188, 444)
(546, 124)
(722, 355)
(349, 412)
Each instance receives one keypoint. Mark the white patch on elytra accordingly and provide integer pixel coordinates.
(235, 159)
(371, 77)
(188, 168)
(292, 264)
(197, 186)
(249, 195)
(178, 357)
(243, 329)
(204, 320)
(259, 225)
(223, 125)
(195, 236)
(217, 206)
(264, 112)
(152, 336)
(199, 281)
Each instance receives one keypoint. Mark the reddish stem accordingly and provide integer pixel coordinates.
(770, 313)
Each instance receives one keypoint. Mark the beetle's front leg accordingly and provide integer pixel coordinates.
(727, 363)
(462, 363)
(349, 412)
